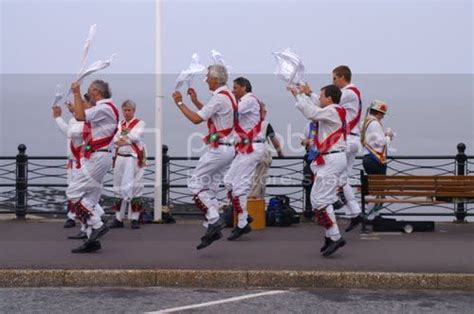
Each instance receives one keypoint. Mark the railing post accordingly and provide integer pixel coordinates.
(21, 199)
(461, 160)
(363, 192)
(165, 176)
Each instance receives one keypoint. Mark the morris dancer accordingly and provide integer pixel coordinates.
(129, 167)
(330, 163)
(100, 126)
(249, 147)
(212, 165)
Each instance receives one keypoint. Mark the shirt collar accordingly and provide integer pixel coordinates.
(348, 85)
(103, 101)
(219, 90)
(245, 96)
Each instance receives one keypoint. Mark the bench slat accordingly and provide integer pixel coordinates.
(422, 193)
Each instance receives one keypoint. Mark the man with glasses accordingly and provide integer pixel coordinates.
(100, 126)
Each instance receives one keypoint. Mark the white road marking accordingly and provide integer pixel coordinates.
(234, 299)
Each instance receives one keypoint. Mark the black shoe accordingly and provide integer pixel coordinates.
(70, 223)
(88, 247)
(212, 234)
(327, 241)
(205, 242)
(96, 234)
(333, 246)
(249, 219)
(238, 232)
(80, 236)
(115, 224)
(135, 224)
(354, 222)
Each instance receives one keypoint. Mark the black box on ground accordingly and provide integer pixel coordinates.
(392, 225)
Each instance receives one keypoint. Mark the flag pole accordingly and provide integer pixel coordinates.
(158, 114)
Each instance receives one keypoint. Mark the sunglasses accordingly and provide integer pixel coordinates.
(87, 97)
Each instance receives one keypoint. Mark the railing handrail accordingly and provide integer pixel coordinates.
(395, 157)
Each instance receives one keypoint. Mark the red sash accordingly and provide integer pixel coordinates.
(140, 152)
(215, 135)
(354, 122)
(246, 138)
(76, 153)
(333, 138)
(91, 145)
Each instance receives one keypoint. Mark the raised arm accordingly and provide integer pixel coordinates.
(79, 106)
(193, 95)
(188, 113)
(57, 115)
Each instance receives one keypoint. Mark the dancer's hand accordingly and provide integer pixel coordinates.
(57, 111)
(305, 89)
(192, 94)
(76, 88)
(177, 97)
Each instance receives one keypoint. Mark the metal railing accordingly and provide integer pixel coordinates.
(36, 184)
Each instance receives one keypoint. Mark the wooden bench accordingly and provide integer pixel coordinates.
(418, 190)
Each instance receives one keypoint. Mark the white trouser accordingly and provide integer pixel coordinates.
(72, 173)
(239, 180)
(259, 180)
(352, 208)
(128, 184)
(324, 191)
(207, 175)
(86, 187)
(128, 178)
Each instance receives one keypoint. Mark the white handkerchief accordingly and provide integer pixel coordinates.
(58, 96)
(217, 58)
(186, 76)
(87, 44)
(290, 68)
(96, 66)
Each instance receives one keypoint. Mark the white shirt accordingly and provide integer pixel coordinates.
(72, 131)
(350, 102)
(249, 112)
(102, 118)
(327, 118)
(134, 136)
(375, 136)
(219, 109)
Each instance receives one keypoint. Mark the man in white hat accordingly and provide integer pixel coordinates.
(213, 164)
(375, 140)
(129, 167)
(330, 163)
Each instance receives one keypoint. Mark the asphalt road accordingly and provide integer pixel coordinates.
(140, 300)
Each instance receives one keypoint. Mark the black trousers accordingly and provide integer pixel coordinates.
(307, 182)
(372, 166)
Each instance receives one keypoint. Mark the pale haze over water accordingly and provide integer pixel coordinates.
(416, 55)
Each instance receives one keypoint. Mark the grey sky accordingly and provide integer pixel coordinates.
(378, 36)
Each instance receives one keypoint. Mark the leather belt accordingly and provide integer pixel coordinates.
(124, 155)
(101, 150)
(333, 152)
